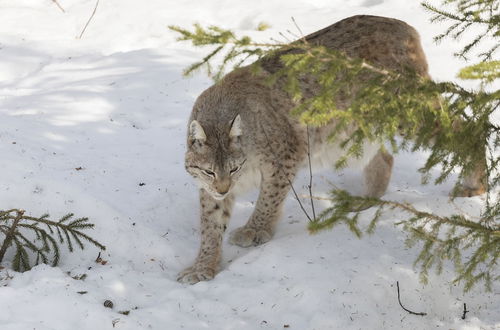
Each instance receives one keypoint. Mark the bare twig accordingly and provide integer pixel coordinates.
(310, 174)
(90, 18)
(293, 34)
(9, 236)
(58, 5)
(298, 200)
(465, 311)
(298, 28)
(407, 310)
(285, 37)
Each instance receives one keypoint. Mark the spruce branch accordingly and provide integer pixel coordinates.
(488, 71)
(238, 49)
(231, 48)
(472, 246)
(10, 234)
(465, 14)
(15, 226)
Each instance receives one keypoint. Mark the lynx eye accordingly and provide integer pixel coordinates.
(234, 170)
(208, 173)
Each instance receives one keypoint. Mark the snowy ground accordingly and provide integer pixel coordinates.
(115, 104)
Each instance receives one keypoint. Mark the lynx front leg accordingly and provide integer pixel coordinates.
(214, 218)
(273, 190)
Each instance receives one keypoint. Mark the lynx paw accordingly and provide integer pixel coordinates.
(195, 274)
(246, 237)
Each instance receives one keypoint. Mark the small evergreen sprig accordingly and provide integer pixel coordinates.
(487, 71)
(464, 14)
(46, 237)
(233, 49)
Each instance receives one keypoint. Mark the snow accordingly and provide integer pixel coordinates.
(115, 104)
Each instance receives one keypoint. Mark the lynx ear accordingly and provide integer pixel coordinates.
(196, 132)
(235, 127)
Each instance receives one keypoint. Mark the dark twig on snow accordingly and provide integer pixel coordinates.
(58, 5)
(465, 311)
(90, 18)
(407, 310)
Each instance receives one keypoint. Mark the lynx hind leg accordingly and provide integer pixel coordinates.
(377, 175)
(475, 183)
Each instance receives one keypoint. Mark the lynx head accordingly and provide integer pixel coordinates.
(214, 155)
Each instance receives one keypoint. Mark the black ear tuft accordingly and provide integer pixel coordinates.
(235, 131)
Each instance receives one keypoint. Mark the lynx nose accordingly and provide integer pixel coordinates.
(222, 186)
(222, 192)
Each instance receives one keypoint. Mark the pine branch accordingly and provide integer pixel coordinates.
(9, 236)
(467, 14)
(21, 258)
(240, 49)
(443, 237)
(486, 71)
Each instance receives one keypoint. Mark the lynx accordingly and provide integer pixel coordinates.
(240, 134)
